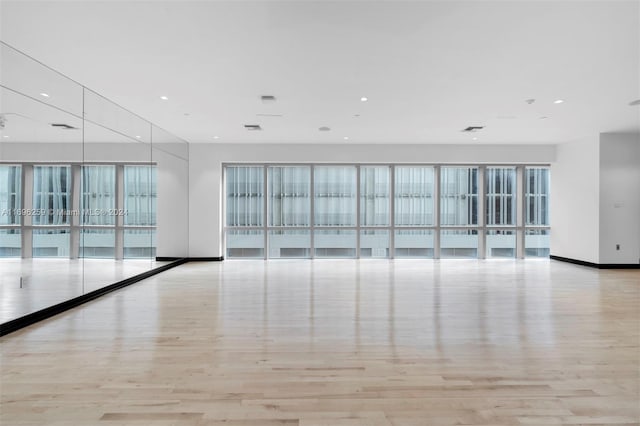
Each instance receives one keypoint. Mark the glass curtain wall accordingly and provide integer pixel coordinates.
(384, 211)
(79, 185)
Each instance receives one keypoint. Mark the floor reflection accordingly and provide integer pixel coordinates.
(28, 285)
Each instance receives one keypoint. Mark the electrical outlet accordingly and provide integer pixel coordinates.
(617, 246)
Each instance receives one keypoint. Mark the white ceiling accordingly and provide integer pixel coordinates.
(429, 68)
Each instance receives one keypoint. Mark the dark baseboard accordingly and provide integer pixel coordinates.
(205, 259)
(167, 259)
(596, 265)
(27, 320)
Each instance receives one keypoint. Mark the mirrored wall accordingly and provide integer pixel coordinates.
(90, 193)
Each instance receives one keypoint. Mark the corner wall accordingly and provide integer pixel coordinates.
(619, 198)
(575, 192)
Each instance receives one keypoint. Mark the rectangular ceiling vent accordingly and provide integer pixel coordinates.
(252, 127)
(473, 128)
(63, 126)
(268, 99)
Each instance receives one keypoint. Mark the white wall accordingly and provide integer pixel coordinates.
(173, 205)
(575, 188)
(205, 171)
(619, 198)
(173, 179)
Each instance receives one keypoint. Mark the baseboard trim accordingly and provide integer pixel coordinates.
(205, 259)
(596, 265)
(167, 258)
(34, 317)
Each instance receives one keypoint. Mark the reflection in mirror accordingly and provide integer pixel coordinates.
(80, 188)
(119, 202)
(40, 143)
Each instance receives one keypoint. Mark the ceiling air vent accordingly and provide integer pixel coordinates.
(63, 126)
(324, 129)
(473, 129)
(266, 99)
(252, 127)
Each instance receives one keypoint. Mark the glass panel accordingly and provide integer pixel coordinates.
(414, 187)
(536, 243)
(501, 243)
(139, 243)
(98, 243)
(414, 243)
(459, 244)
(51, 242)
(335, 243)
(289, 243)
(335, 195)
(289, 196)
(501, 196)
(51, 195)
(536, 196)
(459, 196)
(374, 196)
(245, 243)
(10, 193)
(98, 201)
(374, 243)
(10, 243)
(140, 195)
(245, 198)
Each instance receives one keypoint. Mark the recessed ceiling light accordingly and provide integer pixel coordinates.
(164, 98)
(346, 138)
(475, 139)
(216, 137)
(138, 137)
(44, 94)
(558, 101)
(5, 136)
(364, 99)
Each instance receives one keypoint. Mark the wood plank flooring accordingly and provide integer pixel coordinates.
(339, 343)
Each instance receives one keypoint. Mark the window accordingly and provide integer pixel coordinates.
(459, 196)
(459, 243)
(10, 194)
(501, 196)
(98, 201)
(51, 242)
(289, 196)
(51, 195)
(335, 196)
(414, 188)
(536, 196)
(245, 196)
(414, 243)
(501, 243)
(374, 196)
(140, 197)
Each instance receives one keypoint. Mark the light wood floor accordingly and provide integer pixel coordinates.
(339, 343)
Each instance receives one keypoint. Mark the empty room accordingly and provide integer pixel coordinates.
(340, 213)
